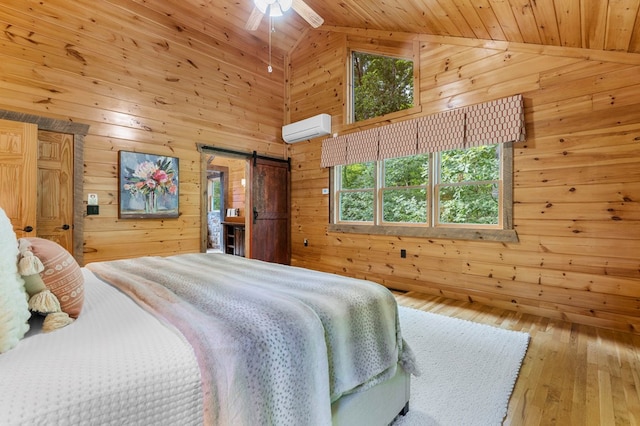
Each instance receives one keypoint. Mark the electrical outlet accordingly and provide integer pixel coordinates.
(403, 253)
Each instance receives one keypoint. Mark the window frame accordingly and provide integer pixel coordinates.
(352, 87)
(407, 52)
(503, 232)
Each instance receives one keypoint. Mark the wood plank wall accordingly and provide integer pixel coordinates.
(143, 83)
(576, 178)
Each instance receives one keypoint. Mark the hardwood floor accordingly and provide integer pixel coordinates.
(572, 374)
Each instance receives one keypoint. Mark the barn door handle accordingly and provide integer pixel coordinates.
(65, 227)
(255, 215)
(28, 228)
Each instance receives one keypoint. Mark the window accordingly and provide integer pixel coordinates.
(214, 191)
(468, 186)
(404, 189)
(381, 85)
(357, 192)
(446, 193)
(379, 185)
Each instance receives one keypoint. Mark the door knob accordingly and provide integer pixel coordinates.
(28, 228)
(65, 227)
(255, 214)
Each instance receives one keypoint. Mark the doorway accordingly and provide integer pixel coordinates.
(215, 208)
(79, 131)
(225, 203)
(38, 189)
(256, 214)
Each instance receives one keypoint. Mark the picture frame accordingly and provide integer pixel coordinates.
(148, 186)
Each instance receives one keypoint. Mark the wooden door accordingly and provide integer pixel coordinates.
(55, 188)
(18, 175)
(270, 211)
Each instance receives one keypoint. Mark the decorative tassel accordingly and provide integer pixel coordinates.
(44, 302)
(23, 245)
(29, 264)
(55, 321)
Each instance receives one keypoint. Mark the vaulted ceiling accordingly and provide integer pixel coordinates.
(594, 24)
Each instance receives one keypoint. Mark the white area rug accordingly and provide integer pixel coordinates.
(468, 370)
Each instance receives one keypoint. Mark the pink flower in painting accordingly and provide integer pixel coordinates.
(160, 176)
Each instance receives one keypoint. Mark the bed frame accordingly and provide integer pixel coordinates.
(379, 405)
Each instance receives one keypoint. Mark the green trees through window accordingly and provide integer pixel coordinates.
(357, 194)
(469, 186)
(405, 188)
(381, 85)
(466, 184)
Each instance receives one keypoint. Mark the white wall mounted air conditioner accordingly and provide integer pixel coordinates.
(312, 127)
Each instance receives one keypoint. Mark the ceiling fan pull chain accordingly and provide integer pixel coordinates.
(271, 29)
(275, 8)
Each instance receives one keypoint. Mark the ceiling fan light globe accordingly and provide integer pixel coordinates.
(274, 10)
(285, 4)
(262, 5)
(276, 7)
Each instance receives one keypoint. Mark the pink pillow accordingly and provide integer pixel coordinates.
(62, 274)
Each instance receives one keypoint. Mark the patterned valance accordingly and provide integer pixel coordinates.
(360, 148)
(441, 132)
(398, 140)
(498, 121)
(334, 151)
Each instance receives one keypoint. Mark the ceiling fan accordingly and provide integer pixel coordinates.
(273, 8)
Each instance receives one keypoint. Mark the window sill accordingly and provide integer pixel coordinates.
(500, 235)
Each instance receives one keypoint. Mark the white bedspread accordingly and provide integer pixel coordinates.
(78, 375)
(276, 344)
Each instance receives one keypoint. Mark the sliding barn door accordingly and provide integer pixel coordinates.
(18, 175)
(270, 211)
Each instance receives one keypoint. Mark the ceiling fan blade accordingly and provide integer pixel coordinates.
(307, 13)
(254, 20)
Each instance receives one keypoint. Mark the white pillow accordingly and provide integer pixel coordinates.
(14, 307)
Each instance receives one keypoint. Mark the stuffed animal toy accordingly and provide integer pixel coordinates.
(41, 299)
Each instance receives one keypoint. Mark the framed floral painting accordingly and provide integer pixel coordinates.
(148, 186)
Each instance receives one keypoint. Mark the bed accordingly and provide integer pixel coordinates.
(213, 339)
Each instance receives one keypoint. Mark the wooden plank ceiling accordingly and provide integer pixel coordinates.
(593, 24)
